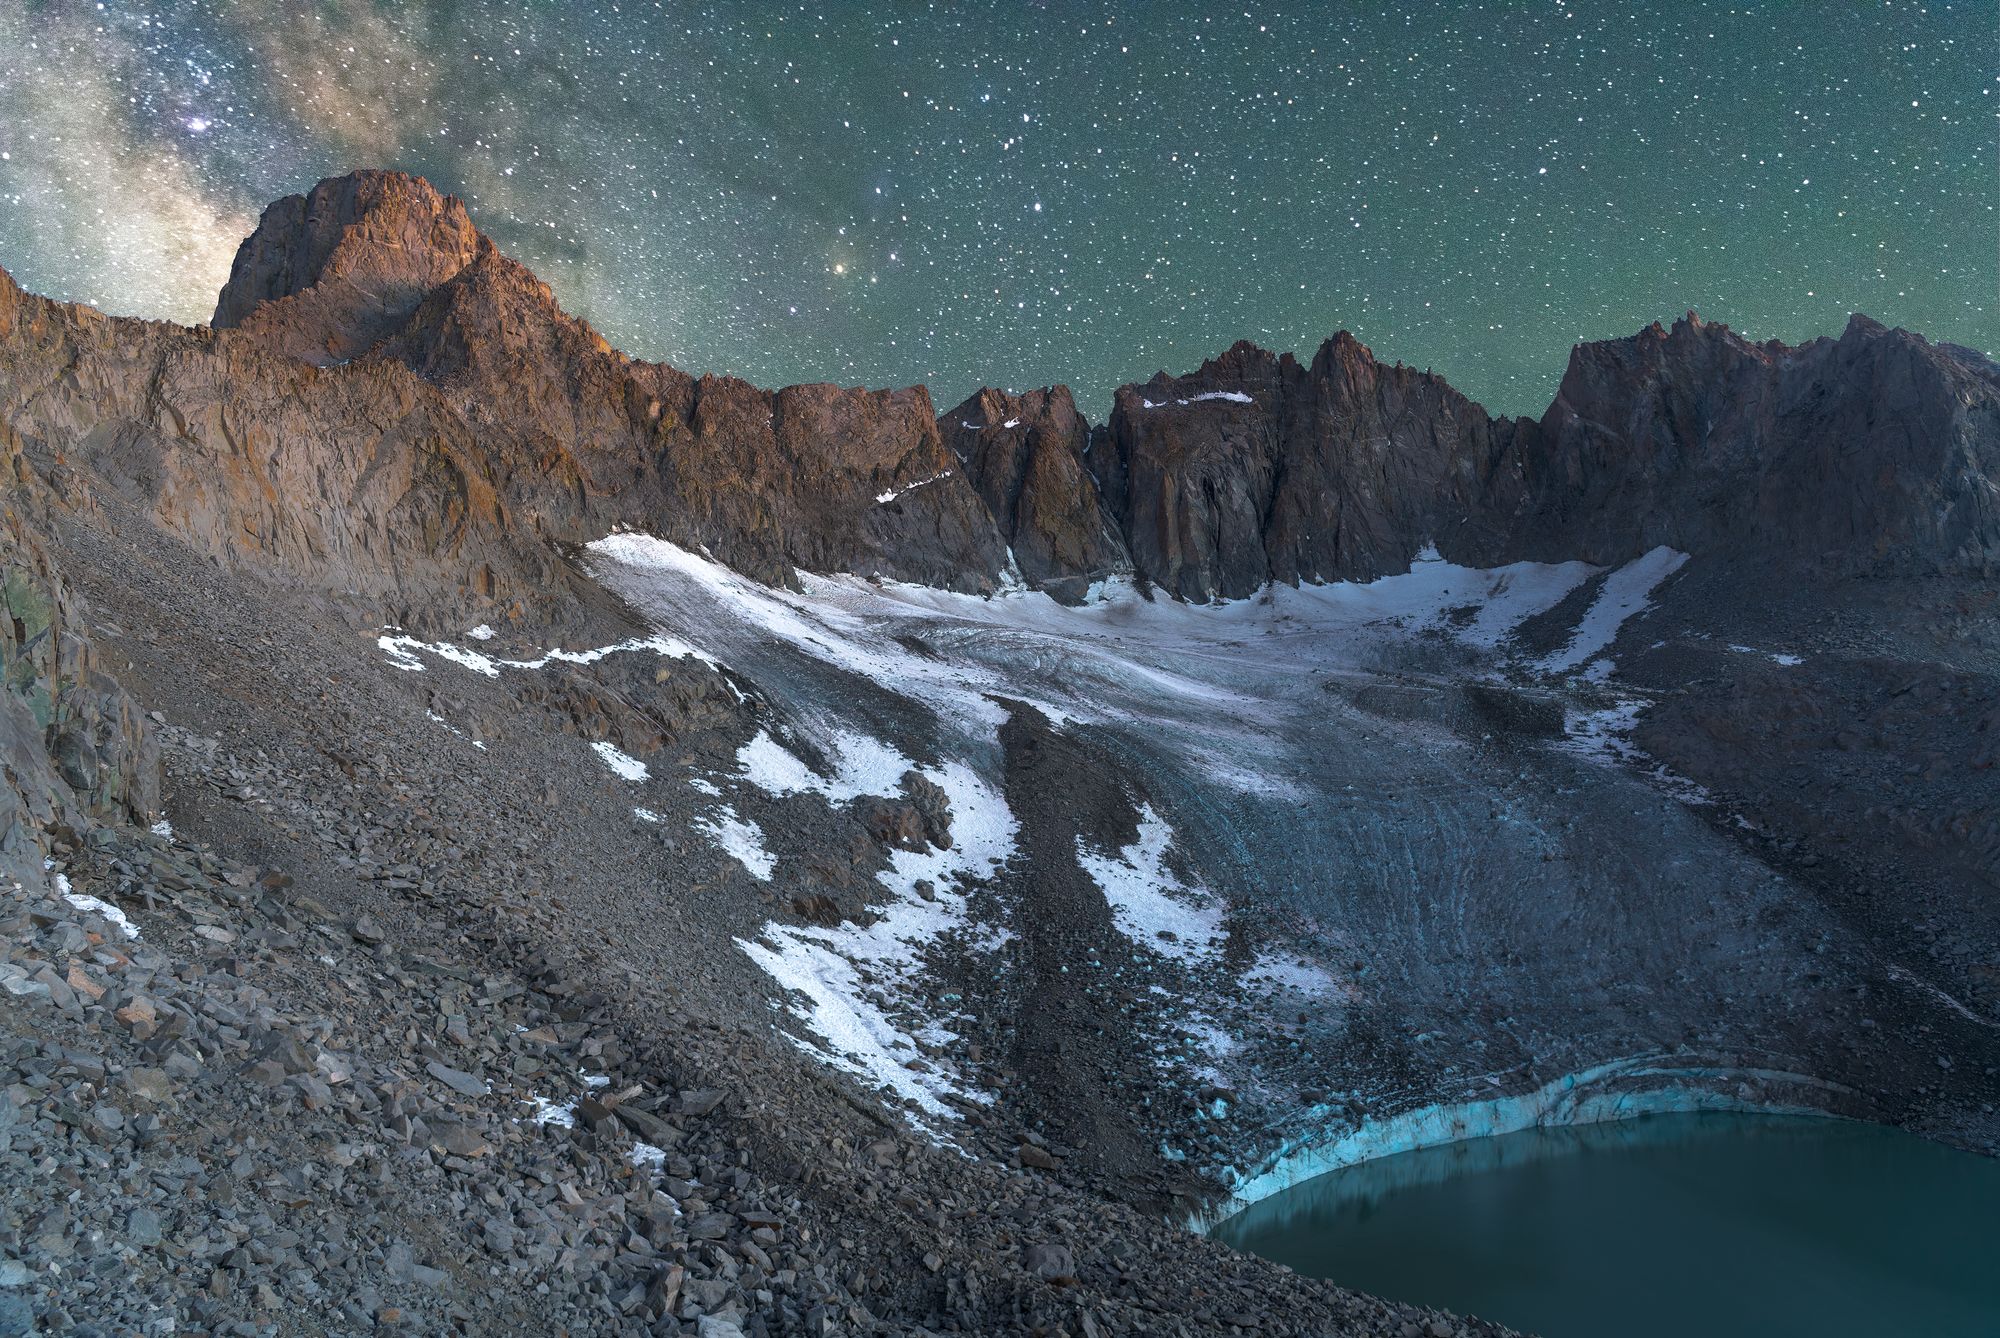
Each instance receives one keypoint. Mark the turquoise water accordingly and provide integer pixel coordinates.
(1675, 1224)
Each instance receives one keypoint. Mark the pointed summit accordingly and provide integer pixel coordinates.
(328, 273)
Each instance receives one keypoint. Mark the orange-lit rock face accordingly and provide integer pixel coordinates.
(384, 388)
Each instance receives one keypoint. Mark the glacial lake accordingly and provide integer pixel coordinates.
(1708, 1224)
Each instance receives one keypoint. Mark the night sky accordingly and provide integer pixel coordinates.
(1024, 193)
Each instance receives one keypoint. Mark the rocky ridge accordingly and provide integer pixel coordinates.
(1876, 451)
(329, 273)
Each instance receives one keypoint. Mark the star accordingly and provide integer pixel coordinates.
(1468, 188)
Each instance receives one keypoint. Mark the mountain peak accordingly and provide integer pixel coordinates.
(328, 273)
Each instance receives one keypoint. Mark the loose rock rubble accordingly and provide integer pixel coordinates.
(359, 1066)
(260, 1119)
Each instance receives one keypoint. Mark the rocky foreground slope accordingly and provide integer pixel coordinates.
(645, 853)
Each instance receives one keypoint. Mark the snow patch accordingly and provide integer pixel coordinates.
(893, 493)
(1604, 736)
(403, 652)
(742, 839)
(842, 978)
(838, 620)
(561, 1114)
(1626, 591)
(1233, 396)
(628, 767)
(862, 765)
(1151, 906)
(83, 901)
(1789, 661)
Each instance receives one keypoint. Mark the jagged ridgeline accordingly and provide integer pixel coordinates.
(373, 348)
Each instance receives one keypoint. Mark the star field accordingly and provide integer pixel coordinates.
(1020, 194)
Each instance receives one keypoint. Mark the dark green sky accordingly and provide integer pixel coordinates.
(1021, 193)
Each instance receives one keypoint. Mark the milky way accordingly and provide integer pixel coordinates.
(1020, 194)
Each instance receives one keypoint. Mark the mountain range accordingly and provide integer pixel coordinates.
(969, 847)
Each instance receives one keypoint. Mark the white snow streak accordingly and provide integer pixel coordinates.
(741, 839)
(1151, 906)
(83, 901)
(1233, 396)
(402, 652)
(1626, 591)
(1789, 661)
(894, 493)
(628, 767)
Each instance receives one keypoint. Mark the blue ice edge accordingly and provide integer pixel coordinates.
(1620, 1089)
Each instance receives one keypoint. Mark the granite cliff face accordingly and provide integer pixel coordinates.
(359, 479)
(580, 438)
(1026, 456)
(373, 346)
(1254, 468)
(585, 439)
(1877, 452)
(75, 748)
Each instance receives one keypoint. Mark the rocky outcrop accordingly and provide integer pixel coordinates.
(576, 438)
(65, 716)
(1876, 452)
(74, 746)
(328, 273)
(1025, 455)
(1255, 468)
(360, 479)
(582, 439)
(392, 407)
